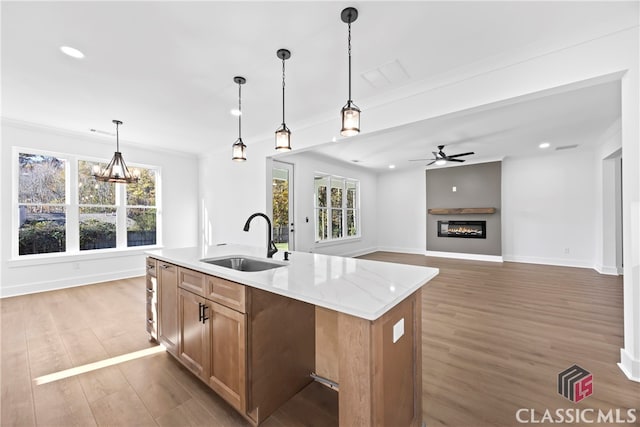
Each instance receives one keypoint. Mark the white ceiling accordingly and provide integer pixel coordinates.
(166, 70)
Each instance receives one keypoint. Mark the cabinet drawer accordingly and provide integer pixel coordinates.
(227, 293)
(192, 281)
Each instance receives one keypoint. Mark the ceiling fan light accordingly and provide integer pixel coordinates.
(441, 162)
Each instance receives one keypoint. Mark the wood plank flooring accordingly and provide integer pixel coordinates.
(495, 337)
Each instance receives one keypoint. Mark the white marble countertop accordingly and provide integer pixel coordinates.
(361, 288)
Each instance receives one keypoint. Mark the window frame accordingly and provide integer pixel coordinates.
(72, 207)
(343, 209)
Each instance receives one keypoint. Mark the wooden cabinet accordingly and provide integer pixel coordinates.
(227, 355)
(168, 306)
(194, 333)
(212, 345)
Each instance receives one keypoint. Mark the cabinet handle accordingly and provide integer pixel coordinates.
(165, 266)
(150, 290)
(200, 312)
(204, 315)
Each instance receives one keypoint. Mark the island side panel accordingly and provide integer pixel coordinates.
(381, 380)
(327, 344)
(355, 369)
(397, 385)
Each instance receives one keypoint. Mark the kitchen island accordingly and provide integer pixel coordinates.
(259, 335)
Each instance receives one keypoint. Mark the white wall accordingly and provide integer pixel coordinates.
(549, 209)
(402, 216)
(179, 191)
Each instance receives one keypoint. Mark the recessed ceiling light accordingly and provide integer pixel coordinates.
(544, 145)
(392, 166)
(235, 112)
(72, 52)
(333, 139)
(441, 162)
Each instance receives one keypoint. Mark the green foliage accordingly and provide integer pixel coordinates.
(143, 192)
(280, 203)
(41, 237)
(96, 234)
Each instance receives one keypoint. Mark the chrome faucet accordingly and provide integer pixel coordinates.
(271, 247)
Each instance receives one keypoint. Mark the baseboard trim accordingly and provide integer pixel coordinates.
(357, 253)
(549, 261)
(629, 365)
(412, 251)
(609, 271)
(472, 257)
(72, 282)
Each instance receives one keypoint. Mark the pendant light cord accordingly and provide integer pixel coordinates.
(283, 90)
(349, 43)
(117, 138)
(239, 111)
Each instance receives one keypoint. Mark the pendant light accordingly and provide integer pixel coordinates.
(283, 134)
(350, 112)
(116, 170)
(239, 150)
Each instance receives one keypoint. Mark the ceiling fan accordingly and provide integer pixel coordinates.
(440, 156)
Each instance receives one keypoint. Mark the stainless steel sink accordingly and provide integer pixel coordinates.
(242, 263)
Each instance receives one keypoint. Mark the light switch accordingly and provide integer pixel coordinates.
(398, 330)
(454, 189)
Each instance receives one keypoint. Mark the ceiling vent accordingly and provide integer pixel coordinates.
(566, 147)
(385, 75)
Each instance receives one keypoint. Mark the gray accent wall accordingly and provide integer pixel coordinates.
(477, 186)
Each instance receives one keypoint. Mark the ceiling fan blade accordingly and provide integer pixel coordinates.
(455, 160)
(429, 164)
(461, 154)
(421, 160)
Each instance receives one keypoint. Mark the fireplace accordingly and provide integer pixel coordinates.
(463, 229)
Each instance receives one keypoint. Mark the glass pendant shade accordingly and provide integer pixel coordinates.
(350, 119)
(283, 138)
(117, 170)
(239, 151)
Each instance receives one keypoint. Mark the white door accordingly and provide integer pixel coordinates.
(282, 205)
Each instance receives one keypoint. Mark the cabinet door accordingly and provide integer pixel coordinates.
(227, 354)
(168, 306)
(194, 332)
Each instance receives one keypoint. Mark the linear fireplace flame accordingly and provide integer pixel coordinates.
(463, 229)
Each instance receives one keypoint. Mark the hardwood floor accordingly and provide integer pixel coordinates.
(495, 336)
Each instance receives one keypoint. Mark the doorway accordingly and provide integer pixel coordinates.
(282, 205)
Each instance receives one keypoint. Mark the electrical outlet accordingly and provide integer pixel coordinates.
(398, 330)
(454, 189)
(567, 251)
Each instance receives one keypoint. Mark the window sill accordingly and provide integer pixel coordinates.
(61, 258)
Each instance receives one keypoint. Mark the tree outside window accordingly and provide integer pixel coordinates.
(42, 204)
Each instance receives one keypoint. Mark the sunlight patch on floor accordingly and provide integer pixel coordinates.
(78, 370)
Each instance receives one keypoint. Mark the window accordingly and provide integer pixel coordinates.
(337, 207)
(141, 210)
(42, 204)
(63, 209)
